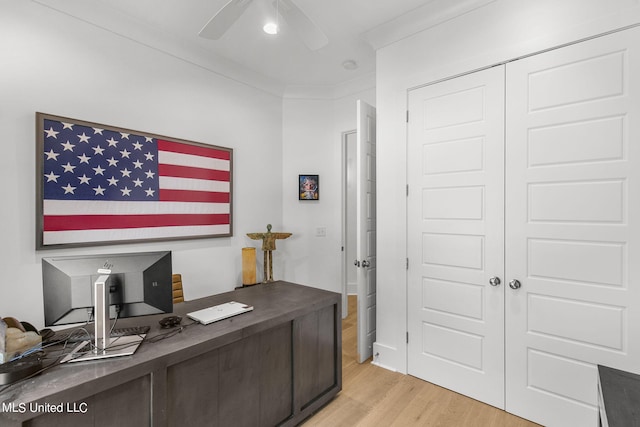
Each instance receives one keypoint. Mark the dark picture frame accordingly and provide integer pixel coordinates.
(308, 187)
(99, 184)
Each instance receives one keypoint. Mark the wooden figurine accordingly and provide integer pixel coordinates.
(268, 245)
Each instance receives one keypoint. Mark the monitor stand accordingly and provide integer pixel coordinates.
(104, 346)
(120, 346)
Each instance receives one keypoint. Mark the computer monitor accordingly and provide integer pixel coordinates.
(101, 287)
(139, 284)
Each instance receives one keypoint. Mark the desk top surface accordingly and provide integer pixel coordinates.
(621, 396)
(274, 304)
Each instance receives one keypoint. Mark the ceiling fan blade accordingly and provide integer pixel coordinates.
(311, 35)
(224, 19)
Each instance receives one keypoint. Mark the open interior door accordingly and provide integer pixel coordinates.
(366, 229)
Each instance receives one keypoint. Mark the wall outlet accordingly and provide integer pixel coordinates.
(321, 231)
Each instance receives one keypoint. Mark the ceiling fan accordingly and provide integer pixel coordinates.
(309, 33)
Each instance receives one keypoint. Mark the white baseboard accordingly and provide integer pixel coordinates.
(385, 357)
(352, 289)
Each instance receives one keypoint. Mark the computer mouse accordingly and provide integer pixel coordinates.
(170, 321)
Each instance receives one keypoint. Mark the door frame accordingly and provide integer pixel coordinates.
(345, 215)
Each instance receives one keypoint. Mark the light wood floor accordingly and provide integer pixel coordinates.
(373, 396)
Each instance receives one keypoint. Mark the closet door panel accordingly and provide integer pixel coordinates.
(456, 213)
(572, 225)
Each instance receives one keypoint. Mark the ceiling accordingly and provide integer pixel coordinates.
(354, 28)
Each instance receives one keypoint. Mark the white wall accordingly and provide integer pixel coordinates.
(500, 31)
(60, 65)
(312, 144)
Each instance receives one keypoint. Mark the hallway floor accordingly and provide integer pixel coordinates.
(374, 396)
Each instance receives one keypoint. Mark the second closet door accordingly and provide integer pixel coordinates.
(573, 225)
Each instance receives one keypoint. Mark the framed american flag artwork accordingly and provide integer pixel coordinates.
(99, 184)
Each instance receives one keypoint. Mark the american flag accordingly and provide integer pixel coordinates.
(107, 185)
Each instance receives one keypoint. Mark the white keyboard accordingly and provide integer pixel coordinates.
(219, 312)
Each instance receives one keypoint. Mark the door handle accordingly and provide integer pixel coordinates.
(515, 284)
(365, 263)
(356, 263)
(494, 281)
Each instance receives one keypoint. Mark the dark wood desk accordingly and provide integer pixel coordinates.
(273, 366)
(618, 398)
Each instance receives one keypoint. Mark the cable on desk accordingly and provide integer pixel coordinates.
(168, 334)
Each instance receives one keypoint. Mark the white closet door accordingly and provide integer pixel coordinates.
(455, 236)
(573, 226)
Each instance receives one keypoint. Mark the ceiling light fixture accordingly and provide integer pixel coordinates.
(350, 64)
(273, 28)
(270, 28)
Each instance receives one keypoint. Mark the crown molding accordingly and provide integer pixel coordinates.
(422, 18)
(342, 90)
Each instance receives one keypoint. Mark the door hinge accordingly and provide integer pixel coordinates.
(407, 263)
(407, 337)
(407, 190)
(407, 116)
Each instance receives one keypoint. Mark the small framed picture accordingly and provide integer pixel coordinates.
(308, 187)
